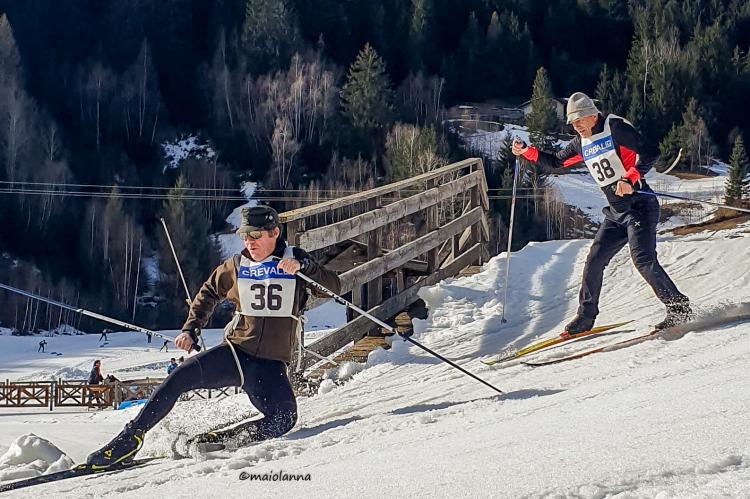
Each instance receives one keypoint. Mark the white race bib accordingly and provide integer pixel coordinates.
(265, 290)
(601, 157)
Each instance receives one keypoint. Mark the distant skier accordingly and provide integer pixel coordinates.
(103, 335)
(148, 337)
(165, 346)
(172, 366)
(269, 301)
(42, 344)
(618, 158)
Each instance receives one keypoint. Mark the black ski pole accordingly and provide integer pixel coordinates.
(377, 321)
(90, 314)
(719, 205)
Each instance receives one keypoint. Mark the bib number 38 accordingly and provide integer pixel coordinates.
(603, 169)
(266, 297)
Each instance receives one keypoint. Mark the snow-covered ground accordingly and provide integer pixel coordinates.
(665, 418)
(127, 354)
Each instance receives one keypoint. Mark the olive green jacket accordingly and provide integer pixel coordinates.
(265, 337)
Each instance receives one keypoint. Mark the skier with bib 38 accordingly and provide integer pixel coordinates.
(618, 158)
(259, 340)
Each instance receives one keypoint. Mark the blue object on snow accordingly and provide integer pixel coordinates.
(131, 403)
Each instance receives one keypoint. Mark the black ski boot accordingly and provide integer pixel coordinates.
(236, 436)
(677, 313)
(119, 451)
(211, 441)
(578, 325)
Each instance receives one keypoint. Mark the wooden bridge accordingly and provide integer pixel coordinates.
(390, 241)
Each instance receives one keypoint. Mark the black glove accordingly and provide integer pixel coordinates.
(193, 332)
(303, 257)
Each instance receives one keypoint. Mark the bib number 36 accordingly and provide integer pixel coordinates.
(266, 297)
(604, 170)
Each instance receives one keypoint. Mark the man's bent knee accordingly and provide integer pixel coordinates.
(643, 259)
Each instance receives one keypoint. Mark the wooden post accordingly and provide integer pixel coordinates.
(476, 233)
(374, 287)
(400, 281)
(117, 395)
(431, 215)
(293, 230)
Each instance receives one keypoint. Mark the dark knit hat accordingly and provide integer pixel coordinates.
(258, 218)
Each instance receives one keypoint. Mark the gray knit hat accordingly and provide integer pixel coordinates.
(580, 105)
(258, 218)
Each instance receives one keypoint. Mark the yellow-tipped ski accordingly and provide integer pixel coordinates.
(535, 347)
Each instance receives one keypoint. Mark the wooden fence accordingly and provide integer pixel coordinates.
(70, 393)
(28, 394)
(447, 207)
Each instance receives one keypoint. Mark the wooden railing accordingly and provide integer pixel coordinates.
(26, 394)
(81, 394)
(446, 245)
(73, 393)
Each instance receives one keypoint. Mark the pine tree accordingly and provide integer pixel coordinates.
(269, 33)
(411, 150)
(469, 60)
(190, 232)
(10, 60)
(695, 137)
(738, 184)
(692, 136)
(610, 92)
(603, 92)
(421, 32)
(14, 104)
(542, 120)
(367, 96)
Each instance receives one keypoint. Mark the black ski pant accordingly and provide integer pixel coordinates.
(266, 383)
(637, 228)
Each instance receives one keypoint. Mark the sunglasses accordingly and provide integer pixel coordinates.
(253, 235)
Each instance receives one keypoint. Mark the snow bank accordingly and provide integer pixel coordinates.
(186, 147)
(30, 456)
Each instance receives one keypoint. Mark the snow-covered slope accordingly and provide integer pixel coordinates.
(665, 418)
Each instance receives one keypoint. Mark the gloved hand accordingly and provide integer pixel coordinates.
(188, 340)
(193, 332)
(519, 147)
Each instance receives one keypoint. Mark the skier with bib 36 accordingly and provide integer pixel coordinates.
(259, 340)
(618, 158)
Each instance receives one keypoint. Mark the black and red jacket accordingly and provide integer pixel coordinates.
(637, 156)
